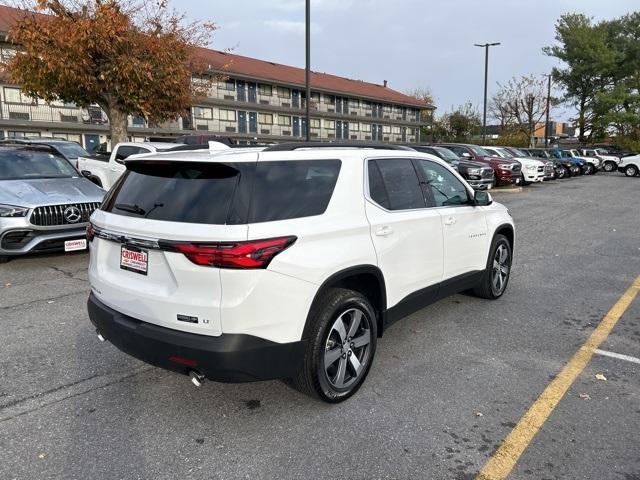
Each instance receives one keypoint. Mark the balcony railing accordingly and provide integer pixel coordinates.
(46, 113)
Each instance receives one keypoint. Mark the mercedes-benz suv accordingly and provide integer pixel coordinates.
(45, 204)
(288, 262)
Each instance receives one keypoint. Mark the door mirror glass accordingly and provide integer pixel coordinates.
(466, 155)
(482, 198)
(86, 173)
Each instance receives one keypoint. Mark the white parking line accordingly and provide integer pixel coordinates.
(619, 356)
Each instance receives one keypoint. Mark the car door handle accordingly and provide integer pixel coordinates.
(384, 232)
(449, 220)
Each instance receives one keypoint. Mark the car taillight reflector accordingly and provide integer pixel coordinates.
(250, 254)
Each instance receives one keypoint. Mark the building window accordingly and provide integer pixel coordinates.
(396, 130)
(315, 123)
(366, 127)
(329, 100)
(284, 92)
(71, 137)
(354, 126)
(227, 115)
(354, 103)
(15, 95)
(203, 112)
(366, 105)
(329, 124)
(265, 118)
(7, 54)
(229, 85)
(284, 120)
(386, 129)
(15, 134)
(265, 90)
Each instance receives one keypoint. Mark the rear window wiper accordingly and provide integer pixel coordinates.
(126, 207)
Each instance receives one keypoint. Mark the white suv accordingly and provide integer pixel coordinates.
(288, 262)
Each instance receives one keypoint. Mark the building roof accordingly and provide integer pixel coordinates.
(230, 64)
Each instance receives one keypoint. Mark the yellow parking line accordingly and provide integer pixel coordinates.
(504, 459)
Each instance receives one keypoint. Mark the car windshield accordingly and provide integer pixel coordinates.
(447, 154)
(479, 151)
(71, 150)
(518, 153)
(20, 164)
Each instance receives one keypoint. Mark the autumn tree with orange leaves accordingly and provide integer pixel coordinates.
(129, 57)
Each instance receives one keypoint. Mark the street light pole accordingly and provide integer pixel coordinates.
(546, 122)
(486, 78)
(307, 72)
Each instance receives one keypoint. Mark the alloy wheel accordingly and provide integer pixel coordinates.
(630, 171)
(347, 349)
(500, 270)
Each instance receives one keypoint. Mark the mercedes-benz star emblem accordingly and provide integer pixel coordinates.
(72, 214)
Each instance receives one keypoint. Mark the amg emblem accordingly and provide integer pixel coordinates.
(187, 318)
(477, 235)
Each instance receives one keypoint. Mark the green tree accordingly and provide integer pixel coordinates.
(582, 47)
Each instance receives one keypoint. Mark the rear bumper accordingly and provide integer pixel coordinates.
(229, 358)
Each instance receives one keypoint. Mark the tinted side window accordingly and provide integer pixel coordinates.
(401, 184)
(457, 150)
(126, 151)
(377, 191)
(292, 189)
(445, 187)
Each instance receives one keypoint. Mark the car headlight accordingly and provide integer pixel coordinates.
(473, 171)
(13, 211)
(531, 167)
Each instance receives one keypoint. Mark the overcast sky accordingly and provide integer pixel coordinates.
(410, 43)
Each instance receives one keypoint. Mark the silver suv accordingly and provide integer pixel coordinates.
(45, 204)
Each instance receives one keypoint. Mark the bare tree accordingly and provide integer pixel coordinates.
(520, 104)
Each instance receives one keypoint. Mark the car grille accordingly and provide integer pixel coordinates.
(52, 215)
(487, 173)
(517, 168)
(541, 169)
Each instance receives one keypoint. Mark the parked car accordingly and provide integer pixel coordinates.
(104, 171)
(45, 204)
(245, 266)
(478, 175)
(630, 166)
(610, 162)
(586, 168)
(613, 150)
(565, 167)
(532, 170)
(69, 150)
(550, 172)
(595, 163)
(506, 172)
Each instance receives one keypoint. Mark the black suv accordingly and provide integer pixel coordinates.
(478, 175)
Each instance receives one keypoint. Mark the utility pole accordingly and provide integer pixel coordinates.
(307, 72)
(486, 78)
(546, 122)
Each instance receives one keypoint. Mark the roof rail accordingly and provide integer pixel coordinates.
(289, 147)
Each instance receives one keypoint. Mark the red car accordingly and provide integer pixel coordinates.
(507, 171)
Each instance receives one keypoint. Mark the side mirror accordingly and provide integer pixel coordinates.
(86, 174)
(466, 155)
(482, 198)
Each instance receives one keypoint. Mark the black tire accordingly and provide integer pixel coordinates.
(609, 166)
(487, 288)
(561, 173)
(523, 182)
(313, 378)
(589, 170)
(631, 170)
(4, 259)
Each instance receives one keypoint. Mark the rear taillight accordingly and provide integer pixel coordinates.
(251, 254)
(91, 232)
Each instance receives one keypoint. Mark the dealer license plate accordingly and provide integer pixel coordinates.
(134, 259)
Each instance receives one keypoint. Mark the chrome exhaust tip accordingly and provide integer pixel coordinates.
(100, 337)
(196, 378)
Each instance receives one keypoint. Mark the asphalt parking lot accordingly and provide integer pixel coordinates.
(447, 385)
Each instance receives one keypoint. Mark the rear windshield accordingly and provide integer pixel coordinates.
(224, 194)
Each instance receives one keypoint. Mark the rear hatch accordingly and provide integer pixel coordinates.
(156, 212)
